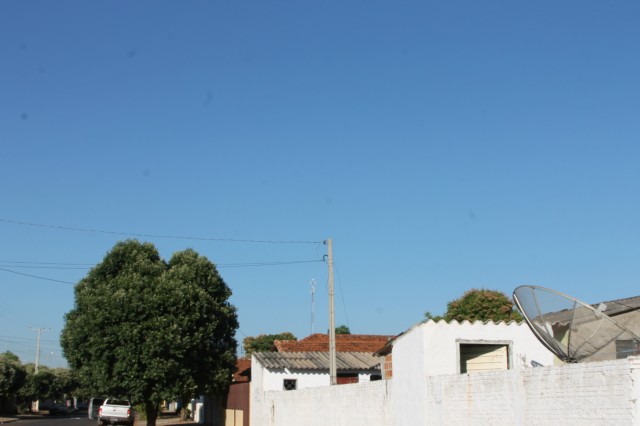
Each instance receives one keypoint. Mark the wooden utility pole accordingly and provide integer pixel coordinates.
(332, 322)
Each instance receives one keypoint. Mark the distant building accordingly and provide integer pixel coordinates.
(344, 343)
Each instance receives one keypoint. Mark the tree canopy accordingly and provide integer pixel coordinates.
(149, 330)
(480, 305)
(343, 329)
(264, 342)
(12, 375)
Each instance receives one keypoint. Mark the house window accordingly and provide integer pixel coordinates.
(625, 348)
(482, 357)
(290, 384)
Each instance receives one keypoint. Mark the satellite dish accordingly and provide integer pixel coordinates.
(576, 331)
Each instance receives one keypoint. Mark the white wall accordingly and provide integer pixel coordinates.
(271, 379)
(264, 380)
(577, 394)
(274, 379)
(599, 393)
(409, 369)
(361, 404)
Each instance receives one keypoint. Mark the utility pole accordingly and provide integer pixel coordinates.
(332, 323)
(39, 331)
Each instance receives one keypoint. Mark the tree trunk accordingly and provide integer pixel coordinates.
(151, 408)
(184, 411)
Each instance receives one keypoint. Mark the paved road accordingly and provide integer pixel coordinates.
(81, 419)
(73, 420)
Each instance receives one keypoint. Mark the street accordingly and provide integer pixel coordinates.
(80, 419)
(56, 420)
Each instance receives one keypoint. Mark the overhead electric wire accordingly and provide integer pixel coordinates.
(7, 310)
(175, 237)
(45, 263)
(222, 265)
(243, 265)
(36, 276)
(26, 339)
(46, 267)
(344, 305)
(37, 265)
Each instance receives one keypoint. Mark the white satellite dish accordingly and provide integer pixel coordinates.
(576, 331)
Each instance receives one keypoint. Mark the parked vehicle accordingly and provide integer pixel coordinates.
(58, 408)
(115, 411)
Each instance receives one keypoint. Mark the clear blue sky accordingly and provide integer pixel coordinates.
(442, 145)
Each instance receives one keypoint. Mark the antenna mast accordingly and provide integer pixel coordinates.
(313, 302)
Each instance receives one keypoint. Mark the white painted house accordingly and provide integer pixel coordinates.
(440, 348)
(417, 366)
(300, 364)
(435, 348)
(304, 364)
(276, 371)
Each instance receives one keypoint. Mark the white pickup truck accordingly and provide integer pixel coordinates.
(116, 411)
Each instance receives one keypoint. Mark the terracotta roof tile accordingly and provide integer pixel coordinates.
(344, 343)
(243, 372)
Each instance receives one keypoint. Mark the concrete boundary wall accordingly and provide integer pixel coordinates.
(578, 394)
(602, 393)
(361, 404)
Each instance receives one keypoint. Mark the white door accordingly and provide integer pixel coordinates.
(480, 357)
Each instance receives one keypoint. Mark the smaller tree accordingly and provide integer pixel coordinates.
(343, 329)
(38, 386)
(64, 383)
(10, 356)
(264, 342)
(12, 376)
(479, 305)
(428, 315)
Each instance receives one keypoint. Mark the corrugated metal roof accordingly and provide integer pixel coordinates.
(619, 306)
(317, 360)
(611, 308)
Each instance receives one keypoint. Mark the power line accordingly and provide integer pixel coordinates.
(47, 267)
(244, 265)
(344, 305)
(45, 263)
(7, 310)
(35, 276)
(25, 339)
(218, 265)
(227, 265)
(174, 237)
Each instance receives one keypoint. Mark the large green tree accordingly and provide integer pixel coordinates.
(264, 342)
(150, 330)
(480, 305)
